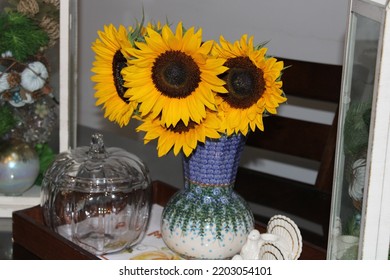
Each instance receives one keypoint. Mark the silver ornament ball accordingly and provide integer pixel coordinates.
(19, 167)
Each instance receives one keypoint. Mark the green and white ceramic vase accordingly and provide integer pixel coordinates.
(207, 219)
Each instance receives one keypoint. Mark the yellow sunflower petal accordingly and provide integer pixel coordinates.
(110, 42)
(147, 85)
(240, 117)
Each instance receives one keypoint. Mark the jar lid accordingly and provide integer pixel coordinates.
(98, 169)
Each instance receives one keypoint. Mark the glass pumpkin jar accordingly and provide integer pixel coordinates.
(97, 197)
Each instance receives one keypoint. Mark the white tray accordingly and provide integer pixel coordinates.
(8, 204)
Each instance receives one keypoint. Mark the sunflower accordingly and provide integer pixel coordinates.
(173, 76)
(180, 137)
(110, 49)
(253, 84)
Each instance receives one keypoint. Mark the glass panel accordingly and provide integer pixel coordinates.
(29, 89)
(32, 93)
(355, 114)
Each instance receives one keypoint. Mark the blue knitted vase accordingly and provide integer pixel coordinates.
(207, 219)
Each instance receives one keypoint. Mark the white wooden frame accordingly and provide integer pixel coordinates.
(68, 73)
(375, 232)
(375, 216)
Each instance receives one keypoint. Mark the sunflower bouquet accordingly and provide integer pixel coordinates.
(184, 89)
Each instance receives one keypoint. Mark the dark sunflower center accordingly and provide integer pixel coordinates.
(244, 82)
(181, 128)
(175, 74)
(241, 81)
(118, 63)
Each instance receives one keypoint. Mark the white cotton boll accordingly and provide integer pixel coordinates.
(4, 85)
(6, 54)
(29, 99)
(34, 76)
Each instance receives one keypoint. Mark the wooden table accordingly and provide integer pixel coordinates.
(34, 240)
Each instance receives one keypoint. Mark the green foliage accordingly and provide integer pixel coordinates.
(353, 225)
(136, 34)
(20, 35)
(45, 10)
(7, 120)
(189, 211)
(356, 129)
(46, 157)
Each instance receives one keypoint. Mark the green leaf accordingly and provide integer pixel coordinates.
(46, 156)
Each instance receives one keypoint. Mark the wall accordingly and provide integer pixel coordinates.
(310, 30)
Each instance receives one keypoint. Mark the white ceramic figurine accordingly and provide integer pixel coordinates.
(282, 241)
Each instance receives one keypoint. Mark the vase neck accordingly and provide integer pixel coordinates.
(215, 163)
